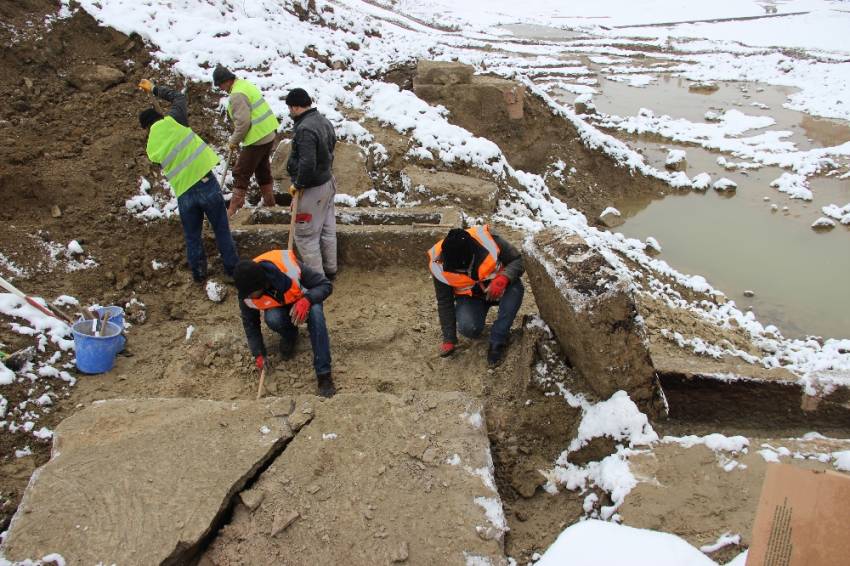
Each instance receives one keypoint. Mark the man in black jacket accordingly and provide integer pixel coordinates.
(310, 168)
(474, 270)
(287, 293)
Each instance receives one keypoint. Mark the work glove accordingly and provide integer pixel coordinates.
(299, 311)
(260, 361)
(292, 191)
(497, 287)
(146, 85)
(447, 349)
(233, 147)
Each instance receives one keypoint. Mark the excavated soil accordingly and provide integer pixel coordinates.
(84, 152)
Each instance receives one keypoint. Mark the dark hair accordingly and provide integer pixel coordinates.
(298, 97)
(249, 277)
(148, 117)
(458, 250)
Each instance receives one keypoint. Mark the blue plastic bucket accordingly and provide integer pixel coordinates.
(116, 315)
(96, 354)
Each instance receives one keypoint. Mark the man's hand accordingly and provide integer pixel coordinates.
(260, 361)
(233, 147)
(447, 349)
(292, 191)
(299, 311)
(146, 85)
(497, 287)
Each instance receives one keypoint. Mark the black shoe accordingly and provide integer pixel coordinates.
(326, 385)
(287, 347)
(496, 354)
(330, 276)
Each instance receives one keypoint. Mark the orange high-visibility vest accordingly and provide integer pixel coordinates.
(463, 284)
(286, 262)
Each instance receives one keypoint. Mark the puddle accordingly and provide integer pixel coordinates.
(541, 33)
(799, 275)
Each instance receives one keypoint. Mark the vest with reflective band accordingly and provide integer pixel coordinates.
(184, 156)
(462, 284)
(286, 262)
(263, 120)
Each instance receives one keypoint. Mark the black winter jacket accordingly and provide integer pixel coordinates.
(316, 288)
(312, 155)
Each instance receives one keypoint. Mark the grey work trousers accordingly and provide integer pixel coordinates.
(315, 227)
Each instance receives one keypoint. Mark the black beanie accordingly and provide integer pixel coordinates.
(298, 97)
(222, 75)
(148, 117)
(249, 277)
(458, 250)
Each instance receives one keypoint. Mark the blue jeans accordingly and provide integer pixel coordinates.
(471, 312)
(205, 198)
(279, 321)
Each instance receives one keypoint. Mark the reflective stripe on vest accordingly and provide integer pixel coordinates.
(285, 261)
(185, 158)
(263, 120)
(463, 284)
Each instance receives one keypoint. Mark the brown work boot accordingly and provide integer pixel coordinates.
(237, 201)
(268, 194)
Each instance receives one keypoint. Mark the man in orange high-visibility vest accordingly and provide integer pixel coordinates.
(288, 293)
(474, 270)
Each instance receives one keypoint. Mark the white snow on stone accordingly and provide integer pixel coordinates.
(723, 541)
(725, 184)
(675, 156)
(842, 460)
(189, 330)
(793, 185)
(823, 222)
(74, 248)
(596, 543)
(839, 213)
(652, 243)
(329, 436)
(216, 292)
(618, 418)
(610, 210)
(715, 441)
(265, 430)
(701, 182)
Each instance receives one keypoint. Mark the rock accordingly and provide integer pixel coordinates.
(283, 520)
(97, 78)
(443, 73)
(704, 87)
(167, 454)
(701, 181)
(652, 246)
(473, 194)
(676, 160)
(360, 517)
(216, 292)
(55, 211)
(527, 481)
(611, 217)
(749, 293)
(252, 498)
(401, 553)
(584, 104)
(823, 224)
(725, 184)
(352, 177)
(593, 314)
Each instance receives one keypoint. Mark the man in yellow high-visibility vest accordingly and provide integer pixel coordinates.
(254, 126)
(187, 164)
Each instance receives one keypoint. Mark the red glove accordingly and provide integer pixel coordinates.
(447, 349)
(299, 311)
(260, 361)
(497, 287)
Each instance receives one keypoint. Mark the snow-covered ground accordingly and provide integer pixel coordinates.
(264, 41)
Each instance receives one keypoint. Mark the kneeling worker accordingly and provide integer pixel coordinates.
(474, 270)
(287, 293)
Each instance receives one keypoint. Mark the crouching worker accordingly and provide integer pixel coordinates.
(288, 294)
(474, 270)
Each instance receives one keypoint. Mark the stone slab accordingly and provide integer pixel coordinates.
(365, 236)
(350, 171)
(592, 313)
(470, 193)
(375, 479)
(144, 481)
(443, 72)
